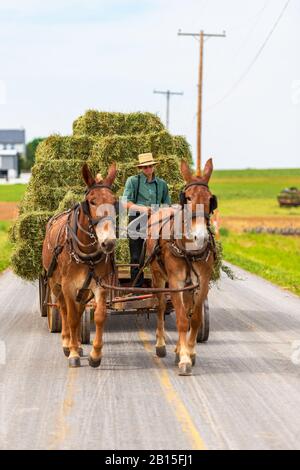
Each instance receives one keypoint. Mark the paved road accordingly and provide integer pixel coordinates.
(245, 392)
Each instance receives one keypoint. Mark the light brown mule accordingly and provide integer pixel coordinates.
(181, 266)
(86, 235)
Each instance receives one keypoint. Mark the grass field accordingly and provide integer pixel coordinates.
(12, 192)
(5, 245)
(8, 193)
(253, 192)
(274, 257)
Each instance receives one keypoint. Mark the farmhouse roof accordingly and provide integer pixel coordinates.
(12, 136)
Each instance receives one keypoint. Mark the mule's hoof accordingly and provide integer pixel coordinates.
(94, 362)
(161, 351)
(67, 351)
(185, 369)
(193, 359)
(74, 361)
(177, 359)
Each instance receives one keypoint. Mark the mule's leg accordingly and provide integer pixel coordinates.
(196, 319)
(99, 317)
(158, 281)
(185, 363)
(65, 330)
(73, 318)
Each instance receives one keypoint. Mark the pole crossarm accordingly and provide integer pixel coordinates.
(206, 35)
(168, 93)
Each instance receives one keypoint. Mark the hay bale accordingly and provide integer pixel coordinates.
(57, 147)
(48, 199)
(56, 173)
(126, 148)
(70, 199)
(26, 260)
(95, 123)
(31, 227)
(122, 251)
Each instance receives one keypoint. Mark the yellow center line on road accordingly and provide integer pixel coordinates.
(62, 427)
(180, 410)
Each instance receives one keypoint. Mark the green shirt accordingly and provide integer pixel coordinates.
(153, 192)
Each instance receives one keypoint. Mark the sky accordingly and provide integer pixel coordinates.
(60, 58)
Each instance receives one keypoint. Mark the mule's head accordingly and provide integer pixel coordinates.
(101, 206)
(199, 202)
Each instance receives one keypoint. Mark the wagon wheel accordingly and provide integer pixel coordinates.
(53, 316)
(42, 295)
(86, 326)
(203, 332)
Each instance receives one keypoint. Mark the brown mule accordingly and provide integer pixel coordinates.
(181, 265)
(77, 253)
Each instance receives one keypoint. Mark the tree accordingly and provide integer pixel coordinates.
(31, 147)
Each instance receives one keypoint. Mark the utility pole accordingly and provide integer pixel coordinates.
(168, 93)
(202, 35)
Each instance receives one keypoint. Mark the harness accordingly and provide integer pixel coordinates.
(71, 228)
(179, 252)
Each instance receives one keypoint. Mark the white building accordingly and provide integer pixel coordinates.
(12, 146)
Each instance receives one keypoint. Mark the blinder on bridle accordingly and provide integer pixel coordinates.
(213, 202)
(86, 207)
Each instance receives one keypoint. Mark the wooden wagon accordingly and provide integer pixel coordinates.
(116, 305)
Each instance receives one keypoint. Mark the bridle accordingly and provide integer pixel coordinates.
(86, 206)
(73, 226)
(213, 202)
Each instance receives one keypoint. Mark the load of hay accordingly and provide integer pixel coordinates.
(56, 184)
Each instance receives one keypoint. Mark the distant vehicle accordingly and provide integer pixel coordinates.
(289, 197)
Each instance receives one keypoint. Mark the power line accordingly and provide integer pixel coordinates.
(257, 55)
(253, 27)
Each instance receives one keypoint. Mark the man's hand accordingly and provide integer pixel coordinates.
(145, 209)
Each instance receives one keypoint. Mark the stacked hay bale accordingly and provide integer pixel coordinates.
(56, 183)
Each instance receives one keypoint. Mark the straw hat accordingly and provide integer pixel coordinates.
(146, 159)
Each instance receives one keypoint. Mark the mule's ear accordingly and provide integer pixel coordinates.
(87, 175)
(208, 169)
(186, 171)
(111, 174)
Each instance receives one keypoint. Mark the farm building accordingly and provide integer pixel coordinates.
(12, 147)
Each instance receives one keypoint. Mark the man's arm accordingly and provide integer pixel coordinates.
(129, 196)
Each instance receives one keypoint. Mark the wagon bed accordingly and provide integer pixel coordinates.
(116, 305)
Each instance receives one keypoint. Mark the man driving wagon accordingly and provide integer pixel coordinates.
(143, 192)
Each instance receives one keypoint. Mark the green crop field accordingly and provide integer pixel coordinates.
(12, 192)
(5, 245)
(253, 192)
(274, 257)
(8, 193)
